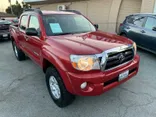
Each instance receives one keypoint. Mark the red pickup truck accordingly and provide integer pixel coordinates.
(76, 57)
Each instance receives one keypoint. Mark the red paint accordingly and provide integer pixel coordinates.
(57, 50)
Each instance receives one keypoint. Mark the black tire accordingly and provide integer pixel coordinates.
(19, 54)
(65, 98)
(124, 35)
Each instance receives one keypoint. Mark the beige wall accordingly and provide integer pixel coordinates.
(96, 10)
(107, 13)
(128, 7)
(113, 15)
(147, 6)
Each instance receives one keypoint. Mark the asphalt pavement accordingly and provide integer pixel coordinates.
(23, 92)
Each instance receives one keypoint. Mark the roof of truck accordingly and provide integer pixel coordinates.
(56, 12)
(44, 12)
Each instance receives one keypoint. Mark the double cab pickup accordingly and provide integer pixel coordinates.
(75, 56)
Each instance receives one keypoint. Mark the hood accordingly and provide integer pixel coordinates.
(89, 43)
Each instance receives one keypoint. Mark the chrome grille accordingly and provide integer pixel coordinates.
(117, 59)
(4, 31)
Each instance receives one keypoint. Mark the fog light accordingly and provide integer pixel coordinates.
(83, 85)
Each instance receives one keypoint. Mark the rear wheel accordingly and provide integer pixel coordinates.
(18, 53)
(57, 89)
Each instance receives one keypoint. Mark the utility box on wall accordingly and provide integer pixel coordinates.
(61, 7)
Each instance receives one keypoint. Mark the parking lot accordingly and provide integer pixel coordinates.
(23, 92)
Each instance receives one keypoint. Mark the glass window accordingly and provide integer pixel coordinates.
(34, 23)
(24, 21)
(80, 22)
(60, 24)
(136, 20)
(150, 23)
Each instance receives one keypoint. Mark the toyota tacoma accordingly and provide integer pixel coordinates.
(75, 56)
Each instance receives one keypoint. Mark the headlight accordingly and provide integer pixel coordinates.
(85, 63)
(135, 48)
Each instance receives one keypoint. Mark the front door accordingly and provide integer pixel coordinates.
(135, 28)
(149, 35)
(34, 42)
(22, 36)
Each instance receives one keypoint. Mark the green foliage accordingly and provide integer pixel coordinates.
(26, 6)
(17, 8)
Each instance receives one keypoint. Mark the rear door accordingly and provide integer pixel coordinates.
(149, 35)
(22, 36)
(134, 27)
(34, 42)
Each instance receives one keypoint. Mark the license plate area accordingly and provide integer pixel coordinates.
(123, 75)
(5, 35)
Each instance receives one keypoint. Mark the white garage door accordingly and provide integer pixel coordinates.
(128, 7)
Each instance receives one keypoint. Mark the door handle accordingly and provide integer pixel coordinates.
(127, 27)
(26, 38)
(142, 31)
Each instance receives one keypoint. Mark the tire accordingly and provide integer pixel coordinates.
(65, 98)
(18, 53)
(124, 35)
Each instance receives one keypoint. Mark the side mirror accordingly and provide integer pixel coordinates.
(31, 32)
(96, 26)
(154, 29)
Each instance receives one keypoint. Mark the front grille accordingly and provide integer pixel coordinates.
(117, 59)
(4, 27)
(4, 31)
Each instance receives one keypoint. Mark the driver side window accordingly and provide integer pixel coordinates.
(34, 23)
(23, 23)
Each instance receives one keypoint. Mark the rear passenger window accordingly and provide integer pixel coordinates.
(136, 20)
(150, 23)
(24, 21)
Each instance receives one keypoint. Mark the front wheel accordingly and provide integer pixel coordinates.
(18, 53)
(57, 89)
(124, 35)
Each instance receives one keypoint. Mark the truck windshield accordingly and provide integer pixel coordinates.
(62, 24)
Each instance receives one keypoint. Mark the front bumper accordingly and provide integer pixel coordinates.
(4, 35)
(100, 82)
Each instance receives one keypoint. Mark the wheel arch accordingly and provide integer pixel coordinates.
(51, 60)
(123, 33)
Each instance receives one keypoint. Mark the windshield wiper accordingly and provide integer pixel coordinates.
(81, 32)
(70, 33)
(56, 34)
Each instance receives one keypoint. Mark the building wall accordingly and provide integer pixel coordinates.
(96, 10)
(147, 6)
(113, 15)
(128, 7)
(107, 13)
(154, 7)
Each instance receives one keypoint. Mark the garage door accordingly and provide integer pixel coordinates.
(98, 12)
(128, 7)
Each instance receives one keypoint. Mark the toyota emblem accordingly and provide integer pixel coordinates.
(121, 57)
